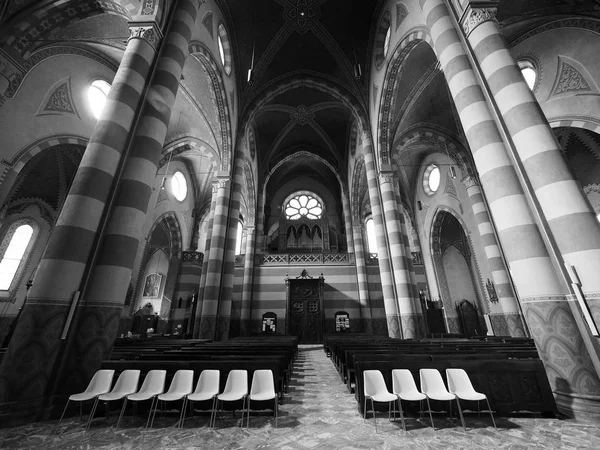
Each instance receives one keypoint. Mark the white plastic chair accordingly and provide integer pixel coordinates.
(236, 388)
(98, 385)
(460, 385)
(403, 385)
(376, 390)
(153, 386)
(206, 389)
(432, 385)
(262, 389)
(181, 386)
(126, 384)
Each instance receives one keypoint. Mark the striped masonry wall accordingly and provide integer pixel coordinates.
(211, 217)
(543, 297)
(385, 269)
(225, 298)
(571, 218)
(61, 269)
(260, 223)
(361, 276)
(216, 258)
(247, 283)
(502, 322)
(101, 303)
(189, 278)
(400, 260)
(339, 294)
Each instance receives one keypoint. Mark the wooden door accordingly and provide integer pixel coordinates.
(470, 319)
(305, 310)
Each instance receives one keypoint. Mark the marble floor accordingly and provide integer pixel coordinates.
(318, 413)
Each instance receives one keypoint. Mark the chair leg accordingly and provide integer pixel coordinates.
(491, 414)
(247, 415)
(182, 415)
(156, 401)
(430, 416)
(401, 413)
(243, 407)
(374, 415)
(365, 410)
(63, 413)
(92, 412)
(462, 419)
(122, 412)
(276, 407)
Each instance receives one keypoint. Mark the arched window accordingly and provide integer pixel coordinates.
(97, 93)
(371, 239)
(179, 186)
(14, 254)
(238, 239)
(303, 205)
(431, 179)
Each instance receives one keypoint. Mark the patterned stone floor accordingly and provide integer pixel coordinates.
(318, 413)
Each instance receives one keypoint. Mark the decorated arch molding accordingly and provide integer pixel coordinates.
(311, 82)
(202, 54)
(436, 228)
(441, 141)
(192, 144)
(358, 180)
(582, 23)
(32, 24)
(251, 194)
(393, 72)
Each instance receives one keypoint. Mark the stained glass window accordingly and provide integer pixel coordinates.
(303, 205)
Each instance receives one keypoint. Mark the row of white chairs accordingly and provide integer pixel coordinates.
(432, 387)
(207, 388)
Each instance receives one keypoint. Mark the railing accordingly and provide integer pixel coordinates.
(326, 259)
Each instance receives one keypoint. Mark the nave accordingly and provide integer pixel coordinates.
(318, 413)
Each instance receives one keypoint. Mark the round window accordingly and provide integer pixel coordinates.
(431, 179)
(97, 93)
(529, 73)
(304, 205)
(386, 42)
(224, 48)
(179, 186)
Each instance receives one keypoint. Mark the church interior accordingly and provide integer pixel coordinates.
(186, 180)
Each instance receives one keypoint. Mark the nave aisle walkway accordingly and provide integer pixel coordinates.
(318, 413)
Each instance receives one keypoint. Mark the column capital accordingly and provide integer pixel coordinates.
(478, 12)
(193, 257)
(147, 31)
(357, 228)
(367, 136)
(386, 176)
(470, 181)
(222, 182)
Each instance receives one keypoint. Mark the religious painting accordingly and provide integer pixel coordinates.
(152, 285)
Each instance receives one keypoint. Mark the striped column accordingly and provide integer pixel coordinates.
(570, 216)
(385, 268)
(224, 316)
(216, 254)
(567, 359)
(400, 262)
(95, 329)
(347, 220)
(209, 227)
(62, 268)
(505, 315)
(417, 319)
(260, 223)
(361, 276)
(248, 283)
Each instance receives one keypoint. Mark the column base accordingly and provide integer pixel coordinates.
(507, 325)
(577, 406)
(413, 326)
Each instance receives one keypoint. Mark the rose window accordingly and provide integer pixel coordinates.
(303, 206)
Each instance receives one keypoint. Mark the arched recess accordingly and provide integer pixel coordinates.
(359, 187)
(308, 81)
(199, 51)
(455, 267)
(393, 73)
(163, 240)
